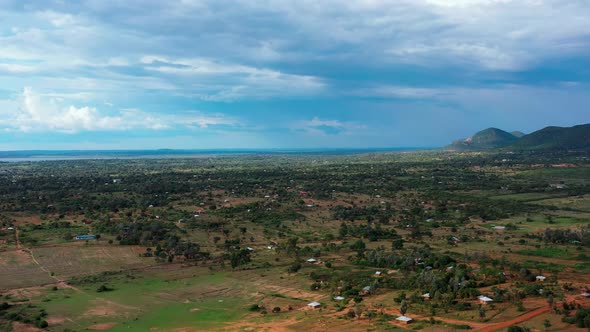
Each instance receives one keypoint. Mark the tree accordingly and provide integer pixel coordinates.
(351, 313)
(550, 301)
(516, 328)
(482, 312)
(403, 308)
(239, 257)
(547, 324)
(397, 244)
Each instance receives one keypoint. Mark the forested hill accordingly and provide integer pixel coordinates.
(549, 138)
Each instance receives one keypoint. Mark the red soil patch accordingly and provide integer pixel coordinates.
(20, 327)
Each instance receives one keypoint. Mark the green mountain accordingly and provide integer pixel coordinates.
(517, 133)
(486, 139)
(554, 138)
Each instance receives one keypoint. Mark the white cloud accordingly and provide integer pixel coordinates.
(15, 68)
(318, 126)
(57, 19)
(205, 121)
(395, 91)
(37, 113)
(232, 81)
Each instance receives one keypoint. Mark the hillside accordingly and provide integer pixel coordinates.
(486, 139)
(549, 138)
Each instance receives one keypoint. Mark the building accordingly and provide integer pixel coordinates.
(404, 319)
(366, 290)
(426, 296)
(339, 298)
(378, 273)
(484, 299)
(585, 294)
(541, 278)
(314, 304)
(86, 237)
(312, 261)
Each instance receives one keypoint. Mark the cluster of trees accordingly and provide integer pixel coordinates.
(567, 236)
(581, 318)
(25, 313)
(367, 231)
(162, 235)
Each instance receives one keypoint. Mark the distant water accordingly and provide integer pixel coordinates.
(42, 155)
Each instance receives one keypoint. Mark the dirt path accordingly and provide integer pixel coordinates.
(517, 320)
(16, 235)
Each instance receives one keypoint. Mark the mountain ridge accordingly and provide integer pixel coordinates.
(548, 138)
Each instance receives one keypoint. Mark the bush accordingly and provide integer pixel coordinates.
(294, 267)
(103, 288)
(41, 324)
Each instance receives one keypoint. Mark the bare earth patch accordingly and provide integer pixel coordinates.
(102, 310)
(101, 327)
(55, 320)
(21, 327)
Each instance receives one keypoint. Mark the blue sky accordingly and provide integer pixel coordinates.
(102, 74)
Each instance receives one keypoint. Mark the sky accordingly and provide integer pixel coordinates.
(209, 74)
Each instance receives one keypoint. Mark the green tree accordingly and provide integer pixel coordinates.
(403, 308)
(482, 312)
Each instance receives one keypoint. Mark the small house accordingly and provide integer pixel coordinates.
(366, 290)
(314, 304)
(586, 294)
(541, 278)
(378, 273)
(86, 237)
(339, 298)
(312, 261)
(484, 299)
(404, 319)
(499, 228)
(426, 296)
